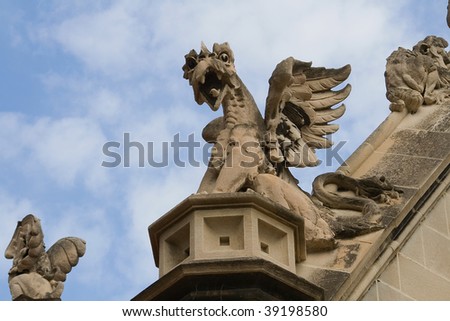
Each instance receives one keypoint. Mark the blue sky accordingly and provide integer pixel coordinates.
(75, 75)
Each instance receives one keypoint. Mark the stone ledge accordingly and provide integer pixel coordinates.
(372, 143)
(240, 279)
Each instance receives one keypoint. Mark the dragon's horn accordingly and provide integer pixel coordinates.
(204, 49)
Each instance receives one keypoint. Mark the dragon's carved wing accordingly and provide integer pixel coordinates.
(299, 110)
(64, 255)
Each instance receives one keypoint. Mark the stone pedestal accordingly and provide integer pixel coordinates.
(228, 246)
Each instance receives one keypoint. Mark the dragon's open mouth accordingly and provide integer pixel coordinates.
(212, 89)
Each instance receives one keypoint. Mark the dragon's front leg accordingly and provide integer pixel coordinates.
(216, 161)
(271, 141)
(243, 160)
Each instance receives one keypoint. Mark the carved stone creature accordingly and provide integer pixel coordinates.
(253, 153)
(419, 76)
(36, 274)
(367, 192)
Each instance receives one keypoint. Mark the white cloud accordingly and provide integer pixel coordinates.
(106, 106)
(10, 136)
(112, 41)
(66, 147)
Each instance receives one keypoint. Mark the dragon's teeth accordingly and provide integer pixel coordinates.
(214, 92)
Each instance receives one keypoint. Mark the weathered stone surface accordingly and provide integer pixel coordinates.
(372, 293)
(447, 208)
(439, 220)
(36, 274)
(391, 275)
(437, 121)
(420, 143)
(437, 252)
(347, 255)
(390, 212)
(421, 252)
(329, 280)
(419, 284)
(388, 293)
(414, 248)
(404, 171)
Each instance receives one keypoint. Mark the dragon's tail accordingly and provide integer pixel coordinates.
(347, 227)
(64, 255)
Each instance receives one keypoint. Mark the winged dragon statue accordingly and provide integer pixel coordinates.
(254, 153)
(37, 274)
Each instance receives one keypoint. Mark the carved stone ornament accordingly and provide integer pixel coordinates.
(418, 77)
(448, 14)
(254, 153)
(36, 274)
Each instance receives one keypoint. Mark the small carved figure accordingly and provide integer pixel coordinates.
(254, 153)
(368, 192)
(419, 76)
(36, 274)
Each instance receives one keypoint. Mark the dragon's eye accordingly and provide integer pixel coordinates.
(191, 62)
(224, 57)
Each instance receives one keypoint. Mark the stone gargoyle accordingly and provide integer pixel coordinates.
(37, 274)
(252, 153)
(418, 77)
